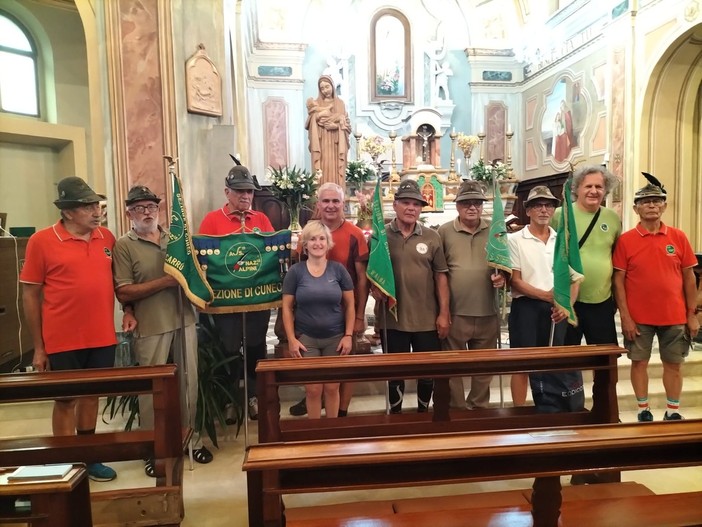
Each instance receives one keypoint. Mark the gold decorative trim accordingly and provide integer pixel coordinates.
(113, 40)
(168, 101)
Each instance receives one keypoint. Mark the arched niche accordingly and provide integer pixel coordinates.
(670, 138)
(390, 57)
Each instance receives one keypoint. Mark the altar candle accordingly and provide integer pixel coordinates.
(458, 166)
(509, 128)
(453, 130)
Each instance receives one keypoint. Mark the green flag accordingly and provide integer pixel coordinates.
(567, 267)
(245, 270)
(181, 258)
(497, 248)
(379, 270)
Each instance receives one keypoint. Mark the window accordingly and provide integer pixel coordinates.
(18, 69)
(391, 67)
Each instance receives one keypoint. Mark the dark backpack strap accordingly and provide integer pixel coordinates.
(589, 228)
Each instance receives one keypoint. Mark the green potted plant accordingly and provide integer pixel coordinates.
(486, 172)
(215, 387)
(357, 173)
(295, 187)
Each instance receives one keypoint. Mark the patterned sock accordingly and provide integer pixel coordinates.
(672, 407)
(643, 403)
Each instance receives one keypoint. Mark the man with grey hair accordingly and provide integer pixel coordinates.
(236, 216)
(140, 281)
(598, 229)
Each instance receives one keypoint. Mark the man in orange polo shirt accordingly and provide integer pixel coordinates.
(236, 216)
(655, 290)
(68, 298)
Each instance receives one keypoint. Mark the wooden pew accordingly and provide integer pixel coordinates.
(440, 366)
(349, 464)
(165, 443)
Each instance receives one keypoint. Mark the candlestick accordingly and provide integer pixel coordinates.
(357, 135)
(481, 136)
(509, 135)
(393, 169)
(452, 173)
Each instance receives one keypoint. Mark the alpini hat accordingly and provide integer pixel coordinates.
(470, 189)
(140, 193)
(239, 177)
(653, 189)
(540, 192)
(74, 192)
(410, 189)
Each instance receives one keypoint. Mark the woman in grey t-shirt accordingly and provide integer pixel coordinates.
(318, 312)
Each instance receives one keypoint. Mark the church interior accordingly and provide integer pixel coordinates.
(105, 89)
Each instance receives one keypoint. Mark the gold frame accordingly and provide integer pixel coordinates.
(407, 97)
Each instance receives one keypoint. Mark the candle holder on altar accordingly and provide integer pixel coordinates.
(452, 172)
(481, 136)
(394, 176)
(358, 136)
(509, 136)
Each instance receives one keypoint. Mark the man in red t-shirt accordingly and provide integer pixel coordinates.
(68, 298)
(654, 286)
(351, 250)
(236, 216)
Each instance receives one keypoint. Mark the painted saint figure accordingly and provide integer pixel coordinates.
(329, 128)
(563, 134)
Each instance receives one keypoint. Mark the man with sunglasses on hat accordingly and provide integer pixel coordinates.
(141, 282)
(236, 216)
(68, 298)
(421, 285)
(532, 313)
(655, 290)
(474, 322)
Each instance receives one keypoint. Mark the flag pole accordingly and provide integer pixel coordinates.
(246, 381)
(180, 350)
(384, 349)
(499, 307)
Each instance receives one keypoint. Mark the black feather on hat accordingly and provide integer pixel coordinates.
(238, 163)
(654, 181)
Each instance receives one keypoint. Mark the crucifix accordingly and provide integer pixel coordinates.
(425, 135)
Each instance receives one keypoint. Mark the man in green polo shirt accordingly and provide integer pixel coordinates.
(141, 281)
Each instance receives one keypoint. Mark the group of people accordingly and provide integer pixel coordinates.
(445, 293)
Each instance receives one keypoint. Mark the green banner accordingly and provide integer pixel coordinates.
(245, 271)
(497, 248)
(379, 270)
(566, 258)
(180, 262)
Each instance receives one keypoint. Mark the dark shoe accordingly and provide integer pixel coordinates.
(149, 468)
(100, 472)
(343, 413)
(253, 408)
(673, 417)
(646, 416)
(299, 409)
(230, 414)
(202, 455)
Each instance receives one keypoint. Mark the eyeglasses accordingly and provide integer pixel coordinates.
(547, 206)
(468, 203)
(656, 202)
(141, 209)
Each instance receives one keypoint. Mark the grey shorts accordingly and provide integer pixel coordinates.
(320, 347)
(673, 343)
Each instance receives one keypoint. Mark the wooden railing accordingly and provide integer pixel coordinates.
(441, 366)
(164, 443)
